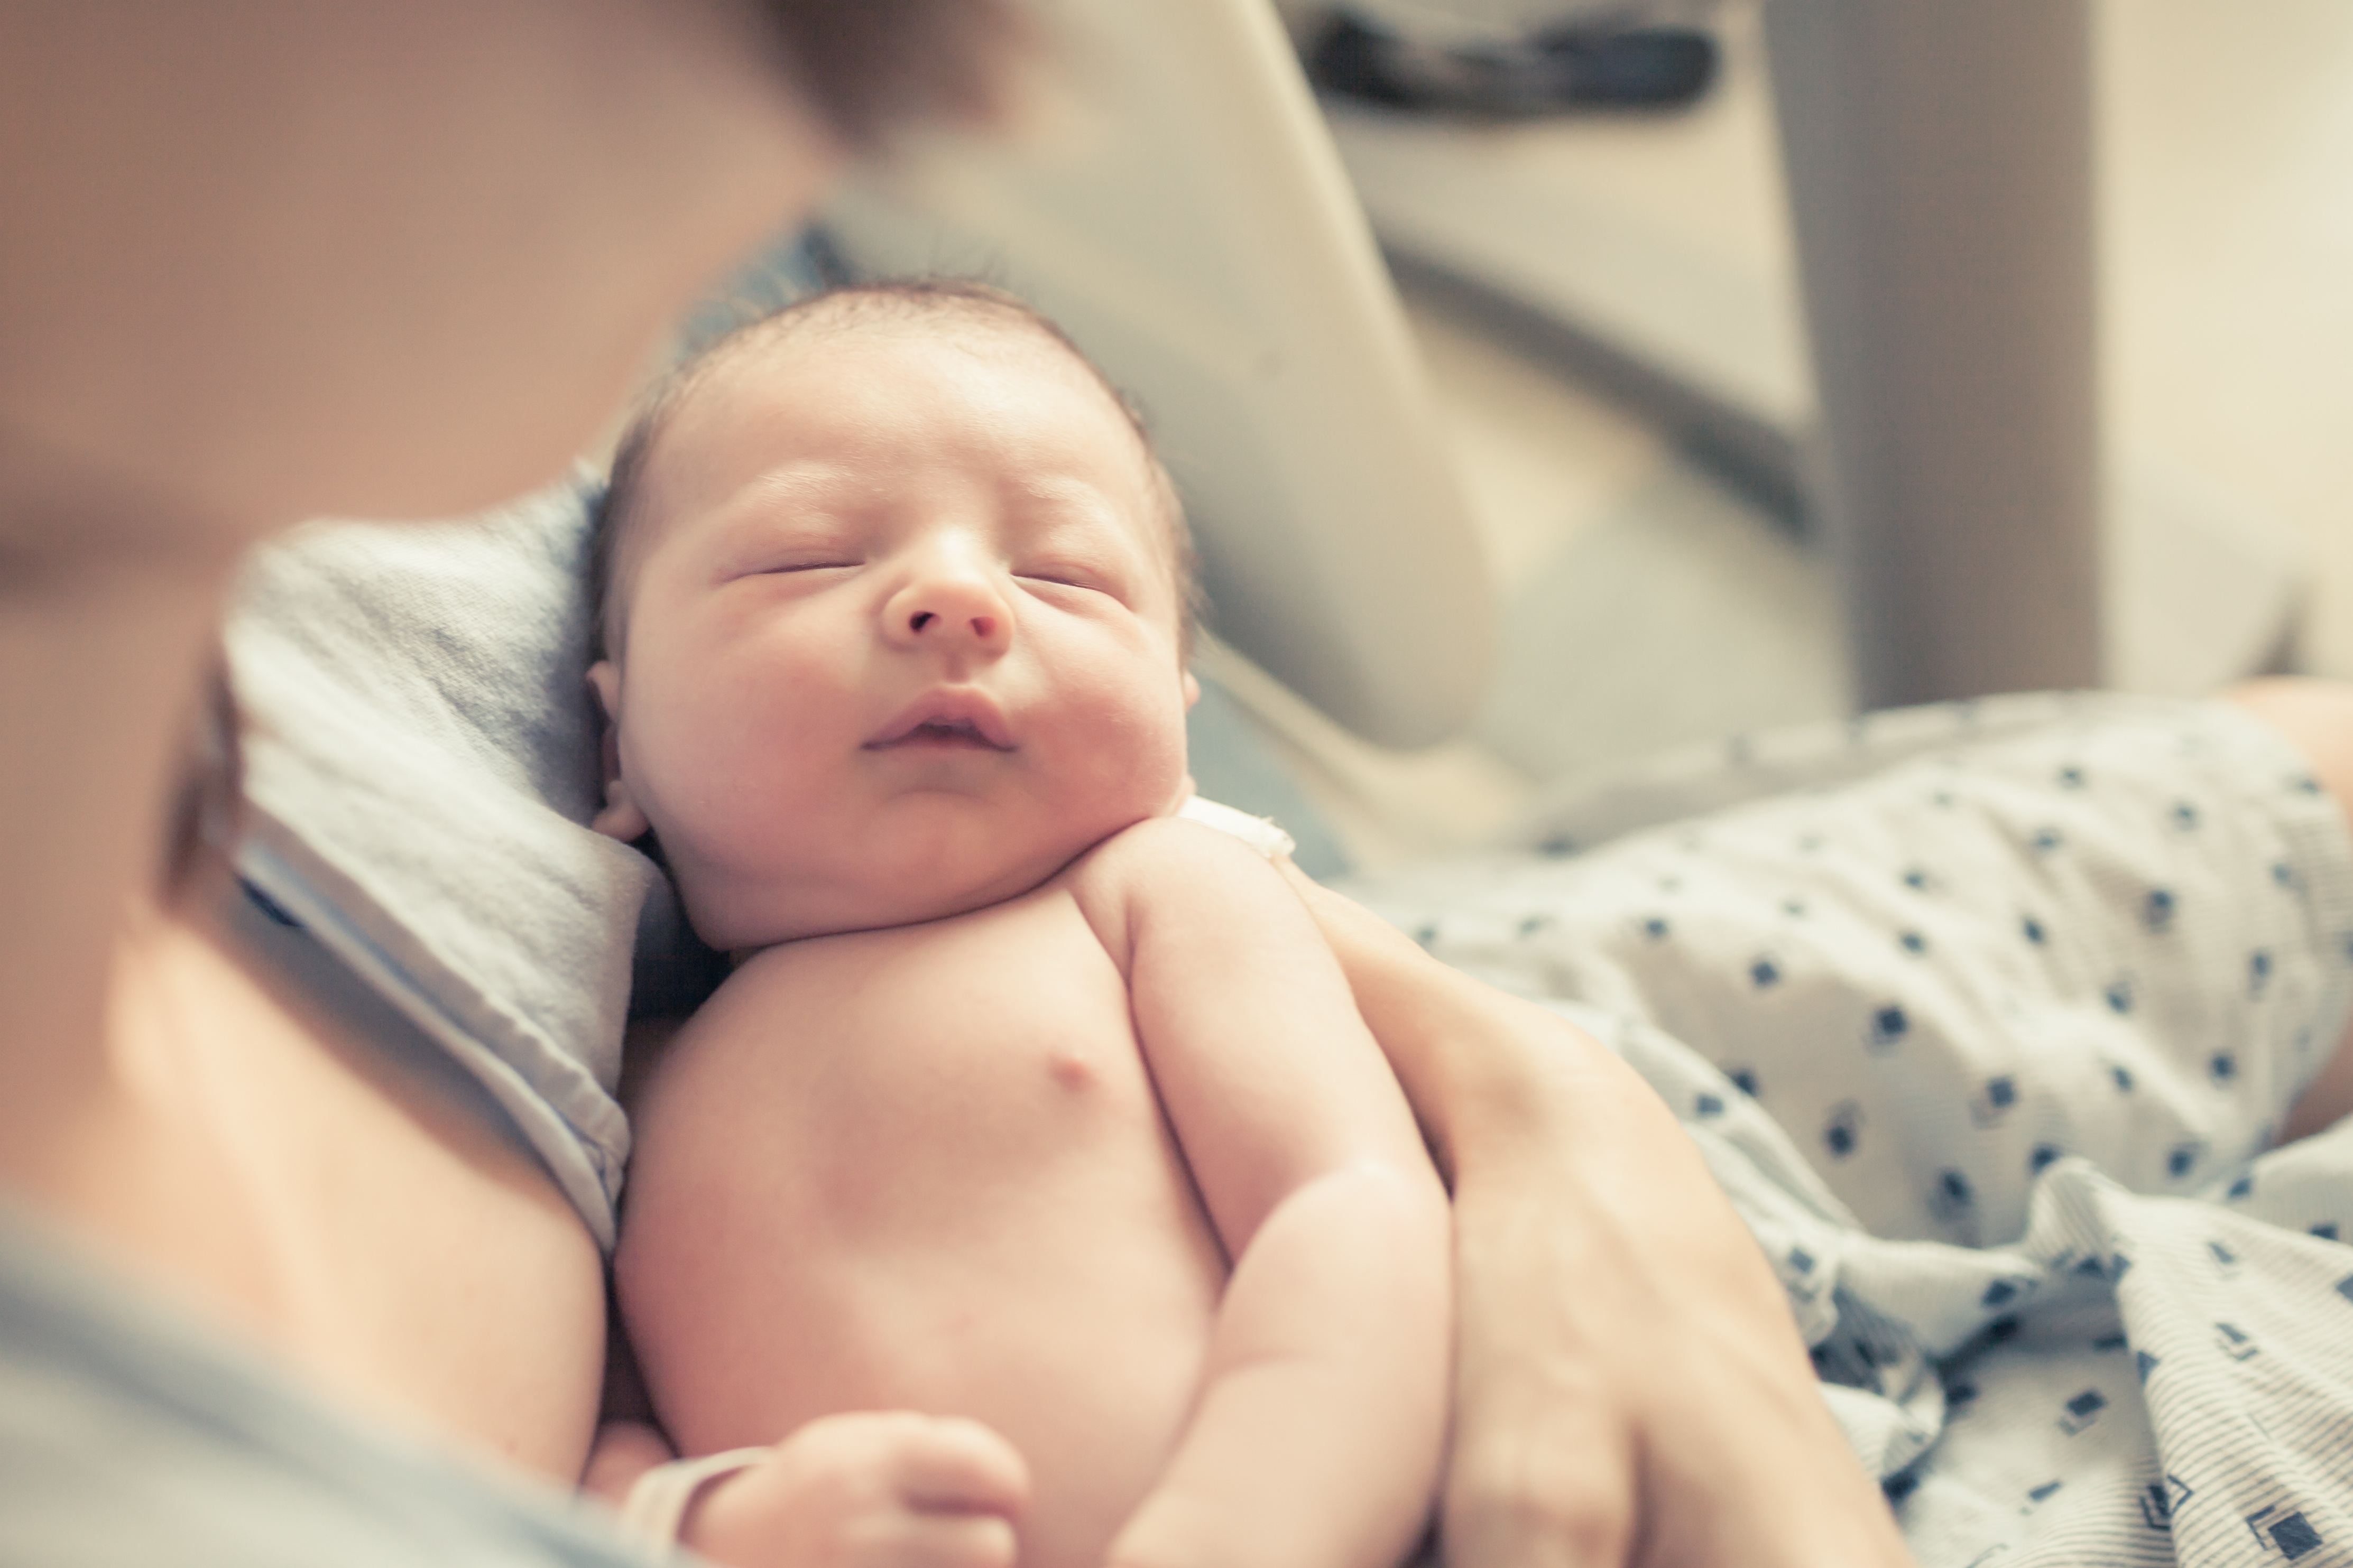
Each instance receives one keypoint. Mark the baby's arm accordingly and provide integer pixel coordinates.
(865, 1490)
(1317, 1435)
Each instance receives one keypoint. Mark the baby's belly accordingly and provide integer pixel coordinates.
(926, 1169)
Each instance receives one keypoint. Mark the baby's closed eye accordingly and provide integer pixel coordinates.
(793, 554)
(1066, 574)
(824, 561)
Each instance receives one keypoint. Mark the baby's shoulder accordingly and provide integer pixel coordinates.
(1162, 849)
(1166, 865)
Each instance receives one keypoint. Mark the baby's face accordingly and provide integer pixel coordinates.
(901, 637)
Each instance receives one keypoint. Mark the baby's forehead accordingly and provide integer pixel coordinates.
(836, 350)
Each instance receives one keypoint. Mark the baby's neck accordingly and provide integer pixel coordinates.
(883, 917)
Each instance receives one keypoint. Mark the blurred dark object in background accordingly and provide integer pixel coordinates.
(1563, 69)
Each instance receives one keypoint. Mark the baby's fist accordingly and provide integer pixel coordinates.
(870, 1489)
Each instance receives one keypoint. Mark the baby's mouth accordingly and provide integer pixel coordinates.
(958, 733)
(952, 722)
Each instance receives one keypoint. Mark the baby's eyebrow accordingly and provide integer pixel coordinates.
(803, 483)
(1052, 486)
(799, 497)
(1060, 503)
(799, 507)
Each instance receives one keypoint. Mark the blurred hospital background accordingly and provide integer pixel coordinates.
(1606, 304)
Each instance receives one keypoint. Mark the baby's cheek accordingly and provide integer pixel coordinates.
(1137, 757)
(714, 759)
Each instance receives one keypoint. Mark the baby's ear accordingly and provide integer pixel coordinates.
(622, 817)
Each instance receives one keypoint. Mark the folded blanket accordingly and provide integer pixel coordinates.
(421, 765)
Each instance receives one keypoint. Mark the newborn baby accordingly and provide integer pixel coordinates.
(1031, 1190)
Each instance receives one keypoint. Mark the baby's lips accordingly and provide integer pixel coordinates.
(946, 714)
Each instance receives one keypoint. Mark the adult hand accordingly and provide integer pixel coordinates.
(1630, 1388)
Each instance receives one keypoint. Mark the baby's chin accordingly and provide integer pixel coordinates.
(742, 917)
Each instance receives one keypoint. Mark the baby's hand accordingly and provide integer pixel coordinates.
(868, 1489)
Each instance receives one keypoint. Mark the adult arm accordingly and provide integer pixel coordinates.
(1316, 1440)
(1630, 1388)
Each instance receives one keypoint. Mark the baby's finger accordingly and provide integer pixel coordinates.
(948, 1465)
(945, 1541)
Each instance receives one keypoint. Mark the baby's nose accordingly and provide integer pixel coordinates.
(983, 626)
(958, 607)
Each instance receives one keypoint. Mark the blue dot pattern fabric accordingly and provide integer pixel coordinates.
(1986, 1020)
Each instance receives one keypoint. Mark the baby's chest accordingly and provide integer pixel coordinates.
(978, 1059)
(922, 1169)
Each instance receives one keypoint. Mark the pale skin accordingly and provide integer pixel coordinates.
(271, 263)
(267, 263)
(1105, 1164)
(989, 1218)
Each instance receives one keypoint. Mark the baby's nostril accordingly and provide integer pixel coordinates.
(922, 619)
